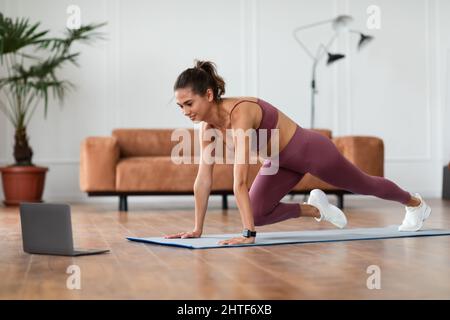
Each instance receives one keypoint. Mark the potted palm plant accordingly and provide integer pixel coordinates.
(29, 59)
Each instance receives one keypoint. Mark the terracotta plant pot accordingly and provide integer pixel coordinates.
(23, 184)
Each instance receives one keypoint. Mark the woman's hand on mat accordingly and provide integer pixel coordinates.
(238, 240)
(184, 235)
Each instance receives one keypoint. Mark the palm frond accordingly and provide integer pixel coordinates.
(30, 83)
(17, 34)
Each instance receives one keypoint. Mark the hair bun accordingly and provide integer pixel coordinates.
(201, 77)
(199, 64)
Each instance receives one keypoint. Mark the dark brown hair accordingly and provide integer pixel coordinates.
(200, 78)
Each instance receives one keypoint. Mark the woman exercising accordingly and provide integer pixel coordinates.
(199, 91)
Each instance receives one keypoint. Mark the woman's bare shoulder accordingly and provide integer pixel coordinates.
(234, 100)
(248, 109)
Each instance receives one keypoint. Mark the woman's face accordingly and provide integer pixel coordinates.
(193, 105)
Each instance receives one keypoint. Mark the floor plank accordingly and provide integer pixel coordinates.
(411, 268)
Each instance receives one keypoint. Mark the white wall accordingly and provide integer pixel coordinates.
(397, 88)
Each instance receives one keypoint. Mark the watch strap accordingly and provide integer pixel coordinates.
(248, 233)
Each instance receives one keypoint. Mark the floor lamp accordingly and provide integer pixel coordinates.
(339, 24)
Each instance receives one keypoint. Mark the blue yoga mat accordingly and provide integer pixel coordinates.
(289, 237)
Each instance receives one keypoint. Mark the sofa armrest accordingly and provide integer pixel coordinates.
(367, 153)
(98, 159)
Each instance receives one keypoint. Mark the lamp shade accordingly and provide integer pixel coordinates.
(333, 57)
(341, 22)
(365, 39)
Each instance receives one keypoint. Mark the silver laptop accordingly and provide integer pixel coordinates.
(47, 229)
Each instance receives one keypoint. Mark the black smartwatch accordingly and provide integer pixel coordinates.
(247, 233)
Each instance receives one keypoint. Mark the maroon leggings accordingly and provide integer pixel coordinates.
(311, 152)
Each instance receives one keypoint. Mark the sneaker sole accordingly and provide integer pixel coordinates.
(328, 207)
(427, 214)
(338, 225)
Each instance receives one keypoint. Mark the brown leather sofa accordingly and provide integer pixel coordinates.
(134, 162)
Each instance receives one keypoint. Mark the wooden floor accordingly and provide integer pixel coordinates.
(411, 268)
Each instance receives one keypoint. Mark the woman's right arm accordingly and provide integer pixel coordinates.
(202, 188)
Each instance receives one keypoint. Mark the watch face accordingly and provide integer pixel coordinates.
(247, 233)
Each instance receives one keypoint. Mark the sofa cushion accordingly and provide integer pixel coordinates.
(157, 142)
(159, 173)
(151, 142)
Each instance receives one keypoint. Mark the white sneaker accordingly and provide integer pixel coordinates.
(415, 216)
(328, 212)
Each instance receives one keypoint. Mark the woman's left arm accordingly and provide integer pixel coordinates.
(242, 126)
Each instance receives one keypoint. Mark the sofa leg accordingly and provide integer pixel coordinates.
(340, 198)
(305, 198)
(224, 202)
(446, 184)
(123, 203)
